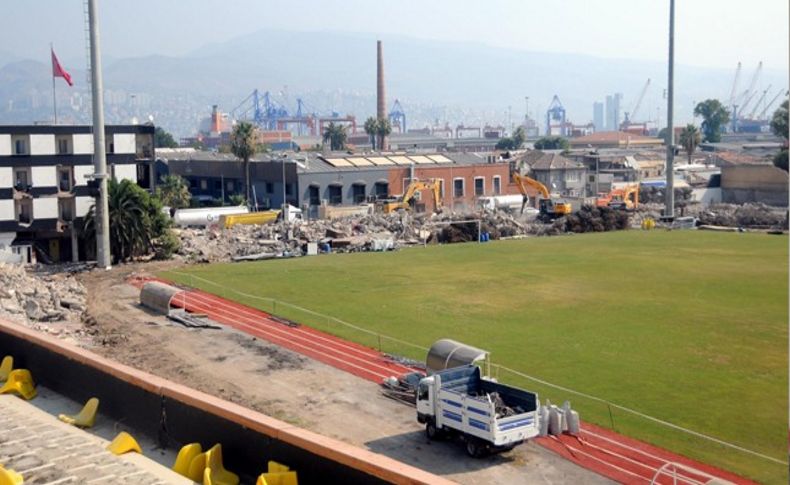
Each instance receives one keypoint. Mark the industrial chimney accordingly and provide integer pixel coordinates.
(381, 102)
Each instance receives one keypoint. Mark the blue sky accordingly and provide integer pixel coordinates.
(714, 33)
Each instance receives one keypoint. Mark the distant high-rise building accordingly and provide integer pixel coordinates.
(598, 116)
(613, 111)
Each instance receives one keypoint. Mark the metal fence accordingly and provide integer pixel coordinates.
(599, 411)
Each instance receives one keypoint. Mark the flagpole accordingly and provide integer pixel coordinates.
(54, 98)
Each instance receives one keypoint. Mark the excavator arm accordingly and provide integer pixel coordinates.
(522, 181)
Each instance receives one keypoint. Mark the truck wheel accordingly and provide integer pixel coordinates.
(473, 448)
(431, 432)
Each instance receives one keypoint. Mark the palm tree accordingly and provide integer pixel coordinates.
(384, 130)
(174, 192)
(372, 129)
(243, 146)
(132, 226)
(336, 136)
(690, 139)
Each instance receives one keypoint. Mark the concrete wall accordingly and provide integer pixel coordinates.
(124, 143)
(6, 177)
(42, 144)
(82, 144)
(754, 183)
(707, 196)
(557, 181)
(5, 145)
(345, 180)
(44, 176)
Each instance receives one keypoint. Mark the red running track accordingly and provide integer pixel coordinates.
(607, 453)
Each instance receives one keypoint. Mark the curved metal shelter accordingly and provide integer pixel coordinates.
(446, 354)
(157, 296)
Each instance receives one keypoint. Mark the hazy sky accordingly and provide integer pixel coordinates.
(709, 32)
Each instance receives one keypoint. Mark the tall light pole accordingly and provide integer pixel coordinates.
(669, 209)
(99, 157)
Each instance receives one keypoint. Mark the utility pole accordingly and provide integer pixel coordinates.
(526, 116)
(99, 156)
(669, 209)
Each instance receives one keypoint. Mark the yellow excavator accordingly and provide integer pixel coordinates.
(549, 209)
(404, 203)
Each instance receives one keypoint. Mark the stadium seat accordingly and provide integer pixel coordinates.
(124, 443)
(215, 472)
(186, 454)
(6, 367)
(275, 467)
(197, 468)
(20, 382)
(10, 477)
(85, 418)
(282, 478)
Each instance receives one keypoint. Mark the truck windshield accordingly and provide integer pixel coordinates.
(422, 393)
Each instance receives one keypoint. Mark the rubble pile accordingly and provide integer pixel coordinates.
(373, 232)
(31, 297)
(751, 215)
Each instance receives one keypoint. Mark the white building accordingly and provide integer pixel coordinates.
(44, 193)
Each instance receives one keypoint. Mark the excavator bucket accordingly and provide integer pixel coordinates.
(215, 472)
(20, 382)
(6, 367)
(283, 478)
(186, 454)
(124, 443)
(85, 418)
(10, 477)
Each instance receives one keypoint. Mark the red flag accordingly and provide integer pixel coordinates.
(58, 71)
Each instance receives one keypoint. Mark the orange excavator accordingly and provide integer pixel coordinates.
(549, 209)
(404, 203)
(625, 198)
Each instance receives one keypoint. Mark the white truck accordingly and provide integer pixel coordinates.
(484, 414)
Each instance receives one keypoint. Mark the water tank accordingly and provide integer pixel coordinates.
(205, 216)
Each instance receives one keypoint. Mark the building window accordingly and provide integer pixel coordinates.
(480, 186)
(110, 146)
(572, 176)
(20, 147)
(22, 178)
(203, 184)
(335, 194)
(193, 183)
(441, 188)
(497, 185)
(64, 147)
(314, 195)
(592, 178)
(289, 188)
(229, 186)
(382, 189)
(269, 187)
(65, 182)
(358, 193)
(458, 188)
(66, 209)
(24, 211)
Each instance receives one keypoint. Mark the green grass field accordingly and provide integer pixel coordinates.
(689, 327)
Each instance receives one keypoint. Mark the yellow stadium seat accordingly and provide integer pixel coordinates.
(196, 468)
(215, 472)
(275, 467)
(124, 443)
(10, 477)
(85, 418)
(6, 367)
(186, 454)
(282, 478)
(20, 382)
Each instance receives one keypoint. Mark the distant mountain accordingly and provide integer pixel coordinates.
(453, 81)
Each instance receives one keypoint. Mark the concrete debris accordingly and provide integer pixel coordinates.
(33, 298)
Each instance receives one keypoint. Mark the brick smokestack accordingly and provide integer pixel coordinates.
(381, 102)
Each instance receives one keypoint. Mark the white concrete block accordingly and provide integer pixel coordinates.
(7, 210)
(80, 171)
(45, 208)
(124, 143)
(126, 171)
(42, 144)
(83, 144)
(5, 145)
(44, 176)
(83, 205)
(6, 177)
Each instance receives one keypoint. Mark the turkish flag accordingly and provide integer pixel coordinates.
(58, 71)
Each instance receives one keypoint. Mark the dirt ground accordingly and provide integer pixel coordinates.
(288, 386)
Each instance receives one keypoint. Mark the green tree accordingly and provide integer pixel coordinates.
(780, 159)
(173, 191)
(243, 145)
(506, 143)
(715, 116)
(384, 128)
(690, 139)
(552, 143)
(237, 199)
(372, 129)
(663, 133)
(163, 139)
(137, 223)
(336, 136)
(519, 137)
(779, 121)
